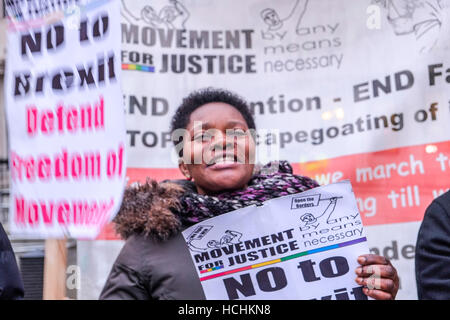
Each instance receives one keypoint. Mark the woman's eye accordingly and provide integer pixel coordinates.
(204, 136)
(237, 133)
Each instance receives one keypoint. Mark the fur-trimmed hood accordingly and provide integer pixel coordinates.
(161, 210)
(150, 209)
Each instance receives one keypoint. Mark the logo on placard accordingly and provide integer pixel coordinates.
(312, 201)
(229, 237)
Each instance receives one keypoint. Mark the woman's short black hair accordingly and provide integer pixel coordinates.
(201, 97)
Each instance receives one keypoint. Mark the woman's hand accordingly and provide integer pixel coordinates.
(378, 277)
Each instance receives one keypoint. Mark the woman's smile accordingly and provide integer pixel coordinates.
(222, 165)
(223, 161)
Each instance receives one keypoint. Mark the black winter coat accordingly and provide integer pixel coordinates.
(149, 269)
(11, 286)
(433, 251)
(154, 263)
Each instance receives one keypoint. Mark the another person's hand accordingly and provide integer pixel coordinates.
(378, 276)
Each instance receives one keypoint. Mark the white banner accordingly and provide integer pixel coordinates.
(65, 118)
(324, 78)
(301, 246)
(343, 89)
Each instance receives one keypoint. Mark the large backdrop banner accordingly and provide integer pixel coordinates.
(354, 90)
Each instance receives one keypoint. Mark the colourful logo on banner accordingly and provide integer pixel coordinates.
(138, 67)
(292, 256)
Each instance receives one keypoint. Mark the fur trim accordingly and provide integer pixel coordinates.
(147, 209)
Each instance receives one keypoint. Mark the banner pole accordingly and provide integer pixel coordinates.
(55, 265)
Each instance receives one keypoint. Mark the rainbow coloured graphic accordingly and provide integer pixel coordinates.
(290, 257)
(212, 269)
(138, 67)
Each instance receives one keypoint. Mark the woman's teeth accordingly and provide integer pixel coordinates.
(226, 159)
(223, 160)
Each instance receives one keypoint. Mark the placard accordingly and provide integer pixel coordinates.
(65, 118)
(283, 251)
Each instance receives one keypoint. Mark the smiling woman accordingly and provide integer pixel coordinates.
(213, 130)
(218, 160)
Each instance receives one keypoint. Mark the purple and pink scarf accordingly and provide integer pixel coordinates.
(266, 184)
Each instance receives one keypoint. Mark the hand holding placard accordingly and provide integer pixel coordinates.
(280, 254)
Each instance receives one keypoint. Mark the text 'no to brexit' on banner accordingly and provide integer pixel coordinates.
(65, 120)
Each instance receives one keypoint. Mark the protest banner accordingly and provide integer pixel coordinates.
(65, 118)
(337, 88)
(301, 246)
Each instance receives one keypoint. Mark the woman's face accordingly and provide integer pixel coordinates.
(218, 149)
